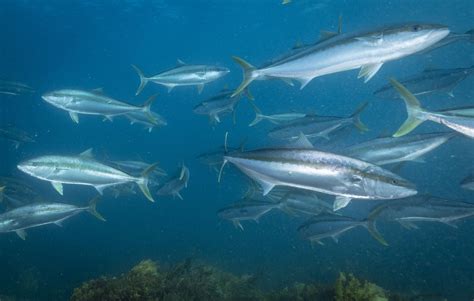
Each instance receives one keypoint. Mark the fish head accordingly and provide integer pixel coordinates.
(214, 72)
(415, 37)
(58, 98)
(387, 186)
(36, 167)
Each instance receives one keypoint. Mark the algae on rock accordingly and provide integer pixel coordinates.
(349, 288)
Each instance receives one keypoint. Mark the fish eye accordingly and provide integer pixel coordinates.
(394, 182)
(416, 27)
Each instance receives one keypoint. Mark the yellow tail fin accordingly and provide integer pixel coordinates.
(248, 70)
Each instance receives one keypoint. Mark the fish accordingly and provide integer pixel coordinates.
(451, 38)
(389, 150)
(367, 51)
(175, 185)
(82, 170)
(428, 82)
(19, 219)
(93, 102)
(218, 106)
(15, 88)
(468, 182)
(183, 75)
(333, 226)
(324, 172)
(318, 126)
(149, 119)
(458, 119)
(16, 136)
(422, 208)
(246, 210)
(275, 118)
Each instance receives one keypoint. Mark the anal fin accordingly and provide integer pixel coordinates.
(58, 187)
(368, 71)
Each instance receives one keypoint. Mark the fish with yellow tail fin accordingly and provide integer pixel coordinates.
(459, 119)
(39, 214)
(366, 51)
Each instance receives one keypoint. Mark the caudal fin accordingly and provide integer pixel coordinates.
(142, 182)
(356, 117)
(413, 109)
(372, 228)
(143, 79)
(258, 114)
(147, 109)
(248, 70)
(92, 209)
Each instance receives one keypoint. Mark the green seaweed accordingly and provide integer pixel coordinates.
(184, 281)
(192, 281)
(349, 288)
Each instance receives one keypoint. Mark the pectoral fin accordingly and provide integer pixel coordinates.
(304, 82)
(266, 186)
(200, 87)
(368, 71)
(341, 202)
(74, 116)
(237, 224)
(58, 187)
(21, 233)
(101, 188)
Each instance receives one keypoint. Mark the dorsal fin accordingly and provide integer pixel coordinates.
(180, 62)
(87, 153)
(98, 90)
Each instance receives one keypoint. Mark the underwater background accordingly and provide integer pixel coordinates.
(55, 44)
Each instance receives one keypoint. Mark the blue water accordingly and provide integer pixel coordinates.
(90, 44)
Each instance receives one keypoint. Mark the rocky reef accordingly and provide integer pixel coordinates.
(195, 282)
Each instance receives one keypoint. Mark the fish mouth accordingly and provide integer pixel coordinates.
(438, 33)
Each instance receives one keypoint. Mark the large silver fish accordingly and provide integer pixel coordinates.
(94, 102)
(333, 226)
(313, 126)
(367, 51)
(391, 150)
(328, 173)
(82, 170)
(39, 214)
(428, 82)
(459, 119)
(183, 75)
